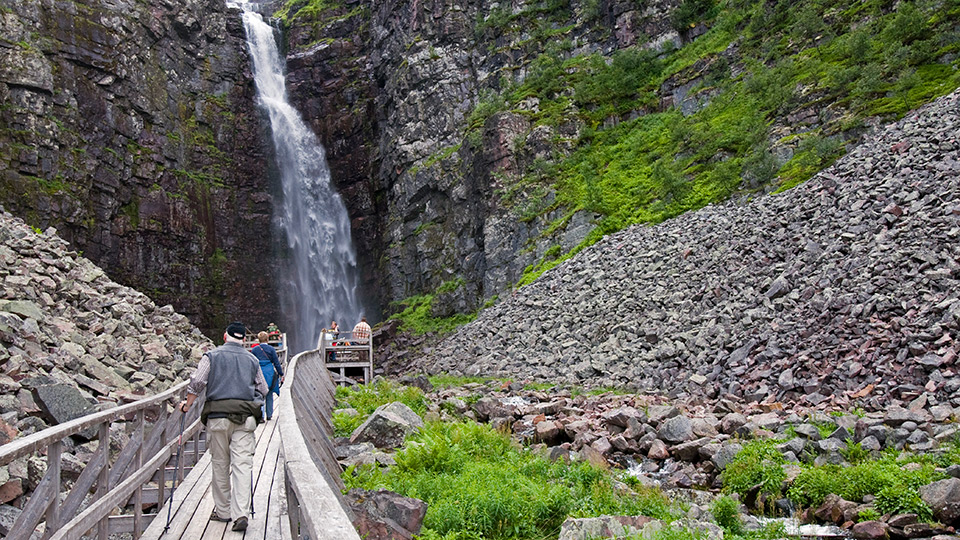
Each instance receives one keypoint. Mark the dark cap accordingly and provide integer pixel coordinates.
(237, 330)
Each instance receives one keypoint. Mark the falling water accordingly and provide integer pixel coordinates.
(320, 282)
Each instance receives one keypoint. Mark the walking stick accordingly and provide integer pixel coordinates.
(176, 471)
(251, 493)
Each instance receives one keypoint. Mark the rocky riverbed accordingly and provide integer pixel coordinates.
(684, 446)
(843, 290)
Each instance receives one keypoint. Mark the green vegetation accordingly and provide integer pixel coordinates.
(759, 463)
(840, 61)
(727, 513)
(305, 9)
(479, 484)
(366, 398)
(893, 478)
(418, 316)
(445, 380)
(895, 486)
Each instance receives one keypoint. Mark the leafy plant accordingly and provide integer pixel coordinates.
(726, 511)
(477, 481)
(758, 463)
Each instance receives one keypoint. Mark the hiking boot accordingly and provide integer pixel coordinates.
(240, 524)
(216, 517)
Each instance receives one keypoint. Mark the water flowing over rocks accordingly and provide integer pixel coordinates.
(842, 290)
(73, 342)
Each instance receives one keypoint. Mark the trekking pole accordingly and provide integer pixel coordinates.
(176, 471)
(251, 493)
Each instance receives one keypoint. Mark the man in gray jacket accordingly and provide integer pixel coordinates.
(235, 389)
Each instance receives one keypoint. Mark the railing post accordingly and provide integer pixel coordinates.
(103, 528)
(54, 452)
(161, 424)
(138, 494)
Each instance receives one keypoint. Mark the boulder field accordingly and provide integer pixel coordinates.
(72, 342)
(841, 291)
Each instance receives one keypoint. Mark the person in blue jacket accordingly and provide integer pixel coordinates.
(272, 370)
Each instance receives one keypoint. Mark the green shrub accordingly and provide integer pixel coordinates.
(895, 487)
(477, 482)
(367, 397)
(726, 511)
(345, 424)
(759, 463)
(689, 13)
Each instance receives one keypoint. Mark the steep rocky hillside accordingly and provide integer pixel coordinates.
(844, 289)
(73, 340)
(131, 127)
(480, 143)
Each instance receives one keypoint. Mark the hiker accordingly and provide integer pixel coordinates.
(272, 370)
(361, 333)
(235, 389)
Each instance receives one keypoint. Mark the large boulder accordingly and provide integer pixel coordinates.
(61, 403)
(387, 426)
(676, 430)
(385, 515)
(871, 530)
(943, 497)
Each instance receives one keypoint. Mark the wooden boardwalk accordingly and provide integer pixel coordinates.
(193, 499)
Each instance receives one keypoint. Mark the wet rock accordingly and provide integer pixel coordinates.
(871, 530)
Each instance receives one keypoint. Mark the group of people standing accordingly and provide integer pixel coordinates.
(361, 332)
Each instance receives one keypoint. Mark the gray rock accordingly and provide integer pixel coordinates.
(676, 430)
(385, 514)
(61, 403)
(603, 527)
(387, 426)
(8, 516)
(725, 455)
(808, 431)
(943, 497)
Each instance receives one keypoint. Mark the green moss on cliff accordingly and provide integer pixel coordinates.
(640, 157)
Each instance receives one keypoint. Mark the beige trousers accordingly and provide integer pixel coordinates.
(231, 452)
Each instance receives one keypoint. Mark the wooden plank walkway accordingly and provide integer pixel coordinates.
(193, 500)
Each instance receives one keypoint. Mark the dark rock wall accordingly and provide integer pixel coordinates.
(390, 86)
(131, 127)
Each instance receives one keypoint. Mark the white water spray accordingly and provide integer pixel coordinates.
(320, 282)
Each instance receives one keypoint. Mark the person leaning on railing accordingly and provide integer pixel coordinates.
(235, 389)
(361, 333)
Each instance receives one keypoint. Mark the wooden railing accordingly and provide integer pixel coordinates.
(137, 476)
(315, 507)
(350, 353)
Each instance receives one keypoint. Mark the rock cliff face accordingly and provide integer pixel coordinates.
(131, 127)
(390, 87)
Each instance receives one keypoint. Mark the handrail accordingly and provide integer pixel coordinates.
(315, 507)
(118, 482)
(41, 439)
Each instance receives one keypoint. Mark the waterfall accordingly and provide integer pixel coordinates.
(319, 283)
